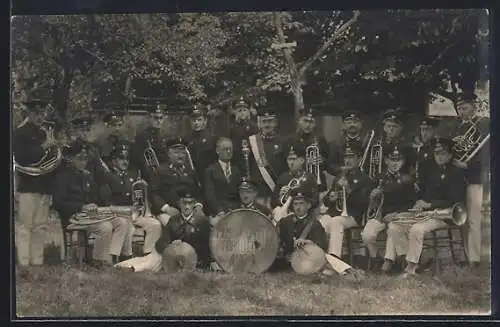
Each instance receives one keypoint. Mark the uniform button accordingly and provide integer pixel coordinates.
(127, 194)
(121, 182)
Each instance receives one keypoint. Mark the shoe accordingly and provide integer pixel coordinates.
(353, 275)
(99, 264)
(387, 266)
(327, 272)
(124, 258)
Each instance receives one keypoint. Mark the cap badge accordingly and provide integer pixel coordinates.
(276, 146)
(425, 155)
(204, 140)
(355, 181)
(443, 176)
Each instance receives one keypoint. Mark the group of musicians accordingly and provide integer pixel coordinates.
(192, 183)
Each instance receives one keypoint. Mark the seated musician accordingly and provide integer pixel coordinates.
(296, 172)
(398, 194)
(171, 176)
(221, 181)
(120, 183)
(248, 194)
(291, 227)
(75, 191)
(441, 186)
(357, 187)
(190, 227)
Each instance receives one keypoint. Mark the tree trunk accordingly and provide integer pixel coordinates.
(62, 91)
(298, 99)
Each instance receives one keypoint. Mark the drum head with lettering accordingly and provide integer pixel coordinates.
(244, 241)
(179, 256)
(308, 260)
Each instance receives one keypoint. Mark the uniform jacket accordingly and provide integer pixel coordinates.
(274, 148)
(309, 184)
(119, 187)
(336, 153)
(357, 199)
(237, 133)
(202, 148)
(424, 156)
(195, 231)
(442, 186)
(73, 189)
(27, 149)
(221, 194)
(291, 227)
(404, 146)
(399, 192)
(167, 182)
(305, 140)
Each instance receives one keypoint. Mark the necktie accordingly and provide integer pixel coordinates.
(227, 171)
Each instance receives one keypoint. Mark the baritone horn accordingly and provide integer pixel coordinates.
(150, 158)
(313, 157)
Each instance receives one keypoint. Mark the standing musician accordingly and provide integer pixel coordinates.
(172, 176)
(114, 123)
(352, 133)
(291, 227)
(120, 187)
(395, 193)
(296, 176)
(305, 138)
(267, 162)
(152, 135)
(248, 194)
(442, 185)
(347, 201)
(77, 191)
(221, 181)
(422, 145)
(36, 161)
(465, 105)
(201, 143)
(241, 129)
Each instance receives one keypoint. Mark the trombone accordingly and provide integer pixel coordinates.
(313, 157)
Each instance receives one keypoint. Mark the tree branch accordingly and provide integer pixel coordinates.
(325, 45)
(287, 52)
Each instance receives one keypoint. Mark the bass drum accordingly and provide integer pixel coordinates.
(244, 241)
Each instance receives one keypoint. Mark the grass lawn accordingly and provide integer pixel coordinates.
(66, 291)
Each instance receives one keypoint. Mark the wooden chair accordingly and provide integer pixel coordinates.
(81, 244)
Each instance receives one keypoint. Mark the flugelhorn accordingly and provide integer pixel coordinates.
(341, 202)
(246, 156)
(468, 144)
(150, 158)
(287, 189)
(313, 157)
(376, 155)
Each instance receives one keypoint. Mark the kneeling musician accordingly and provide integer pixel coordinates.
(126, 190)
(395, 193)
(350, 190)
(442, 187)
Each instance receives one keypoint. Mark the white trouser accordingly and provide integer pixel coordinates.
(151, 262)
(408, 239)
(152, 227)
(35, 228)
(334, 228)
(472, 228)
(369, 235)
(112, 237)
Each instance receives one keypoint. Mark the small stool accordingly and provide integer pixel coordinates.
(436, 242)
(352, 237)
(81, 243)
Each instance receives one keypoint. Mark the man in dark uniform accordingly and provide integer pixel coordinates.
(357, 189)
(305, 137)
(240, 130)
(291, 227)
(201, 144)
(248, 194)
(296, 170)
(188, 226)
(352, 133)
(119, 186)
(221, 181)
(422, 145)
(113, 120)
(151, 134)
(75, 191)
(399, 195)
(172, 176)
(33, 227)
(442, 186)
(267, 160)
(465, 105)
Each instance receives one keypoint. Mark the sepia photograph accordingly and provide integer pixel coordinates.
(292, 163)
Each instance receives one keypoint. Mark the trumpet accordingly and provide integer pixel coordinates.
(150, 158)
(365, 153)
(246, 155)
(456, 215)
(375, 205)
(313, 157)
(376, 155)
(285, 190)
(468, 144)
(140, 202)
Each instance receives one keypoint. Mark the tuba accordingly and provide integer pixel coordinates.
(456, 215)
(376, 155)
(49, 162)
(150, 158)
(470, 140)
(313, 157)
(140, 202)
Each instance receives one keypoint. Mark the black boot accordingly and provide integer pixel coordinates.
(114, 259)
(124, 257)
